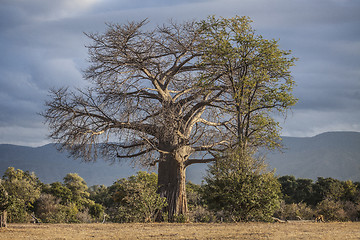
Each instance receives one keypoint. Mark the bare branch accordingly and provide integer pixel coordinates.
(193, 161)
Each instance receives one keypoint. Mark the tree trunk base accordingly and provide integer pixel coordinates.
(172, 186)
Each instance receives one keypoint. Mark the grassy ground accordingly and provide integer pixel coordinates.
(293, 230)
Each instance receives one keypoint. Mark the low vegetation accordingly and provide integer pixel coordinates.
(245, 195)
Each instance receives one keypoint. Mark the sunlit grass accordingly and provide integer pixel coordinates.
(293, 230)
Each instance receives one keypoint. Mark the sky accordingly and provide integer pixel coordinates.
(42, 46)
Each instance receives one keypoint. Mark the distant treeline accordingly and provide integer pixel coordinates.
(135, 199)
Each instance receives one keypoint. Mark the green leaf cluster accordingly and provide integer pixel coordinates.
(135, 199)
(23, 188)
(240, 188)
(336, 200)
(256, 74)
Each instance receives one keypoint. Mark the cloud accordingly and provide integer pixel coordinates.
(43, 10)
(308, 122)
(42, 46)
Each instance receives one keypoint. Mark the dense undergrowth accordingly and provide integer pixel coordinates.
(242, 197)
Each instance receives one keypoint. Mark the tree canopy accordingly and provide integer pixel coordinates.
(174, 95)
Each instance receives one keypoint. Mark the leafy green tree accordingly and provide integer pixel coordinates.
(242, 189)
(77, 186)
(99, 194)
(258, 83)
(68, 202)
(297, 190)
(351, 193)
(58, 190)
(257, 79)
(80, 197)
(304, 191)
(23, 189)
(136, 199)
(328, 188)
(288, 188)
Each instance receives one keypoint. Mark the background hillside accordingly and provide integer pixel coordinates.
(333, 154)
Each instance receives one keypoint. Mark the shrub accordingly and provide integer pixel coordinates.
(352, 210)
(294, 211)
(136, 199)
(23, 189)
(240, 187)
(201, 214)
(332, 210)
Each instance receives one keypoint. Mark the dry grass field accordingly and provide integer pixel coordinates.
(293, 230)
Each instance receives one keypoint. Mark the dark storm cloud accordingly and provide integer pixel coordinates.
(42, 46)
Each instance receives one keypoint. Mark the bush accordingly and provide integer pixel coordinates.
(47, 209)
(23, 189)
(136, 199)
(97, 211)
(240, 188)
(332, 210)
(352, 210)
(201, 214)
(294, 211)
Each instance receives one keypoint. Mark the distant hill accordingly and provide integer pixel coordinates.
(333, 154)
(50, 165)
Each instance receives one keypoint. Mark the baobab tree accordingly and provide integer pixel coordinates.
(151, 99)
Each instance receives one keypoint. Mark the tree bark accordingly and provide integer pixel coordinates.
(172, 184)
(3, 219)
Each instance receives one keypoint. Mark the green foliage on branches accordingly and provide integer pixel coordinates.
(240, 187)
(68, 202)
(23, 189)
(328, 188)
(256, 75)
(77, 186)
(237, 189)
(135, 199)
(198, 210)
(297, 190)
(335, 200)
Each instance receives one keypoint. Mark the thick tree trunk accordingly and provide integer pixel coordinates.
(172, 184)
(3, 219)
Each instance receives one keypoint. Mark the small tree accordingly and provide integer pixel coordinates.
(297, 190)
(23, 189)
(288, 188)
(257, 78)
(77, 186)
(328, 189)
(242, 189)
(49, 209)
(58, 190)
(67, 202)
(136, 198)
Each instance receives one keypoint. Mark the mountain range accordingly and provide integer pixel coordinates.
(331, 154)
